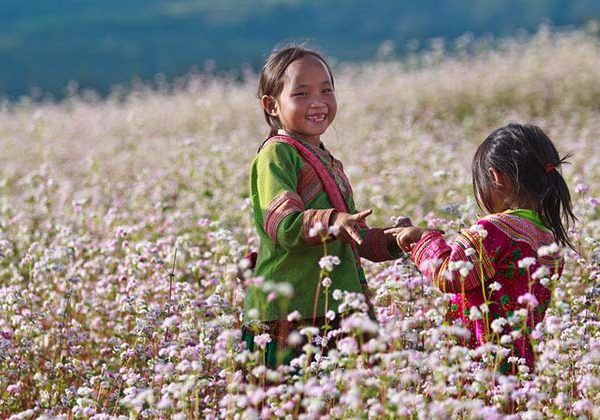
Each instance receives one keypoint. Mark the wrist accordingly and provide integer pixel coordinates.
(332, 228)
(426, 234)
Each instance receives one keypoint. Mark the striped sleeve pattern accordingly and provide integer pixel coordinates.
(435, 258)
(375, 246)
(284, 204)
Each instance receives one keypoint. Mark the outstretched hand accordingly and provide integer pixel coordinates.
(407, 237)
(348, 225)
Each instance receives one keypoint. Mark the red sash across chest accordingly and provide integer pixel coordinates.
(331, 188)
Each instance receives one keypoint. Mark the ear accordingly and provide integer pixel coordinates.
(269, 105)
(498, 177)
(501, 181)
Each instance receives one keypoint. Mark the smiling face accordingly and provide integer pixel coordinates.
(307, 104)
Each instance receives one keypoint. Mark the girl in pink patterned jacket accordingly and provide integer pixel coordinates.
(499, 270)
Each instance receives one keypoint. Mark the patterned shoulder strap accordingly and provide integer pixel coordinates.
(331, 188)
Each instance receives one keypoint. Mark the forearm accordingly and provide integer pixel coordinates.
(306, 228)
(377, 246)
(446, 266)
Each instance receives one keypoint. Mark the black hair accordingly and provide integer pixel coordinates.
(525, 154)
(271, 75)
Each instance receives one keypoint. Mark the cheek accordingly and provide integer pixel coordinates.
(332, 105)
(288, 109)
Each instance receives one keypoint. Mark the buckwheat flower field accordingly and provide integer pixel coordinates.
(123, 221)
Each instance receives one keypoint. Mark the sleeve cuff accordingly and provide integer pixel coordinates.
(312, 218)
(418, 251)
(375, 246)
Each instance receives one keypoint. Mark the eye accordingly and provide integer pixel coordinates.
(299, 94)
(328, 90)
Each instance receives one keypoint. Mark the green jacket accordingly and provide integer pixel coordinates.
(288, 199)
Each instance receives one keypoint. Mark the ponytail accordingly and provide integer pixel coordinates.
(555, 204)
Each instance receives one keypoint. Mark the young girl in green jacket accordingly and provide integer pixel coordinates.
(301, 197)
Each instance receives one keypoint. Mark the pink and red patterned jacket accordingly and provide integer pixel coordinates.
(495, 262)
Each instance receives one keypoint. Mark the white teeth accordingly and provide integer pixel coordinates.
(316, 118)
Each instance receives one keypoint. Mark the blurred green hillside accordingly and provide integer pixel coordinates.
(46, 44)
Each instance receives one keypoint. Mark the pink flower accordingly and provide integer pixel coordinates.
(348, 345)
(14, 389)
(582, 188)
(529, 300)
(262, 340)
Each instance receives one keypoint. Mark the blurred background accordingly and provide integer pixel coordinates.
(53, 48)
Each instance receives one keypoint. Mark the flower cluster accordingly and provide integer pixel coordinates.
(124, 223)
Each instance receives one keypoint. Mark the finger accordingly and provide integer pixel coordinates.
(393, 231)
(361, 215)
(402, 245)
(405, 240)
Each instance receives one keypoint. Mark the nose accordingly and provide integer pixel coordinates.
(318, 101)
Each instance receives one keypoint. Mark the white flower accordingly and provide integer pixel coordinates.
(337, 294)
(498, 325)
(542, 271)
(495, 286)
(506, 339)
(294, 316)
(479, 230)
(262, 340)
(84, 391)
(333, 230)
(553, 248)
(430, 264)
(328, 262)
(474, 313)
(294, 339)
(470, 251)
(164, 403)
(463, 267)
(527, 262)
(171, 321)
(517, 316)
(464, 271)
(315, 230)
(545, 281)
(309, 331)
(326, 282)
(244, 263)
(330, 315)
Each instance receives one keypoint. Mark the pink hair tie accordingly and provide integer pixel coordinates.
(549, 167)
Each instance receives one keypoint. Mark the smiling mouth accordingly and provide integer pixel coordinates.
(317, 117)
